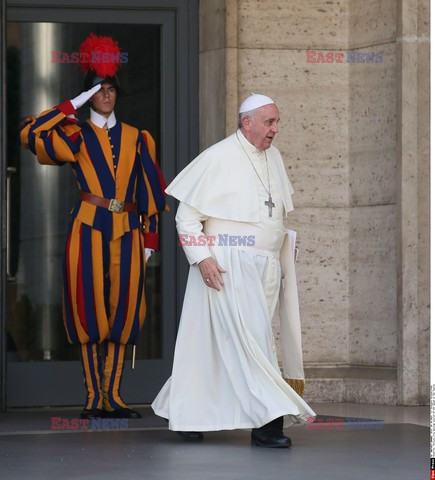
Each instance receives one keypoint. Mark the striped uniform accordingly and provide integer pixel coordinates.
(104, 264)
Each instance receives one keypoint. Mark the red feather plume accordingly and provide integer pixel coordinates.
(92, 58)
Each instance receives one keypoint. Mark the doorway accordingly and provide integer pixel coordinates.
(42, 368)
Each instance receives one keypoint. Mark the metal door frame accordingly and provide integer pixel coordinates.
(3, 165)
(179, 113)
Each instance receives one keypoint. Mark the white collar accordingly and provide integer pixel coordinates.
(100, 121)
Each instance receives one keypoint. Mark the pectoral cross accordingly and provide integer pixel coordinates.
(270, 204)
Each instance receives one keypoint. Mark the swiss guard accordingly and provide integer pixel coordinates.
(114, 225)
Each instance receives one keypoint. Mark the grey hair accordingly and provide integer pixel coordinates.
(250, 114)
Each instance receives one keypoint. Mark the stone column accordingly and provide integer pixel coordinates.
(372, 62)
(413, 190)
(212, 71)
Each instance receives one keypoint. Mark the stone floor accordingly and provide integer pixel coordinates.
(31, 448)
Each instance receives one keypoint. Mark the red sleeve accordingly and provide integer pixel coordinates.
(151, 240)
(66, 108)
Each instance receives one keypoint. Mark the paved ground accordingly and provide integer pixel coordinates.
(30, 449)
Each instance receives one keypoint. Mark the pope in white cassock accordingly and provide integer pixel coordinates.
(225, 373)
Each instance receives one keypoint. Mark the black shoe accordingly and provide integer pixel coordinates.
(122, 413)
(271, 441)
(191, 436)
(271, 435)
(91, 413)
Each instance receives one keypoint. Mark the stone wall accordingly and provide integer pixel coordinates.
(361, 213)
(212, 60)
(413, 195)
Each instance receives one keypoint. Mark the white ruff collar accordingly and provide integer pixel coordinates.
(100, 121)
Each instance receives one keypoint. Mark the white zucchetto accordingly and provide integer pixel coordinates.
(254, 101)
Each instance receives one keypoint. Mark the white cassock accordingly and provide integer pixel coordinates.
(225, 373)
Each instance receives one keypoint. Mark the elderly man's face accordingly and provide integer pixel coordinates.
(104, 100)
(262, 128)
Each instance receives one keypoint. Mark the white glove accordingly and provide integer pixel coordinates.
(148, 253)
(81, 99)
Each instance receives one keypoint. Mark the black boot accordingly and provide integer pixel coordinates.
(88, 414)
(271, 435)
(191, 436)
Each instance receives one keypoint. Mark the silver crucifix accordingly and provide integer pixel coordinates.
(270, 204)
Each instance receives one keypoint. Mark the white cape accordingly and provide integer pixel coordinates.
(220, 182)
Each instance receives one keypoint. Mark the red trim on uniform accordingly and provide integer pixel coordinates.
(151, 240)
(66, 108)
(74, 137)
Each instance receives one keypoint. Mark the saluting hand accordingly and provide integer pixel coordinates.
(81, 99)
(211, 273)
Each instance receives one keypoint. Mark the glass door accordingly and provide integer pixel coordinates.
(42, 368)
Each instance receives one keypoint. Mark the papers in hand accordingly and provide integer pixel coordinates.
(292, 237)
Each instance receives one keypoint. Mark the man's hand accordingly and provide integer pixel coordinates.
(148, 253)
(211, 273)
(81, 99)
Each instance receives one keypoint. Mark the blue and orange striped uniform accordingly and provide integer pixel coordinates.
(104, 263)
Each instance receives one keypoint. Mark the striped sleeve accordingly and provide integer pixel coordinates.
(52, 137)
(151, 197)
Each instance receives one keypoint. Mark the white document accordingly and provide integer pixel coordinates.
(292, 236)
